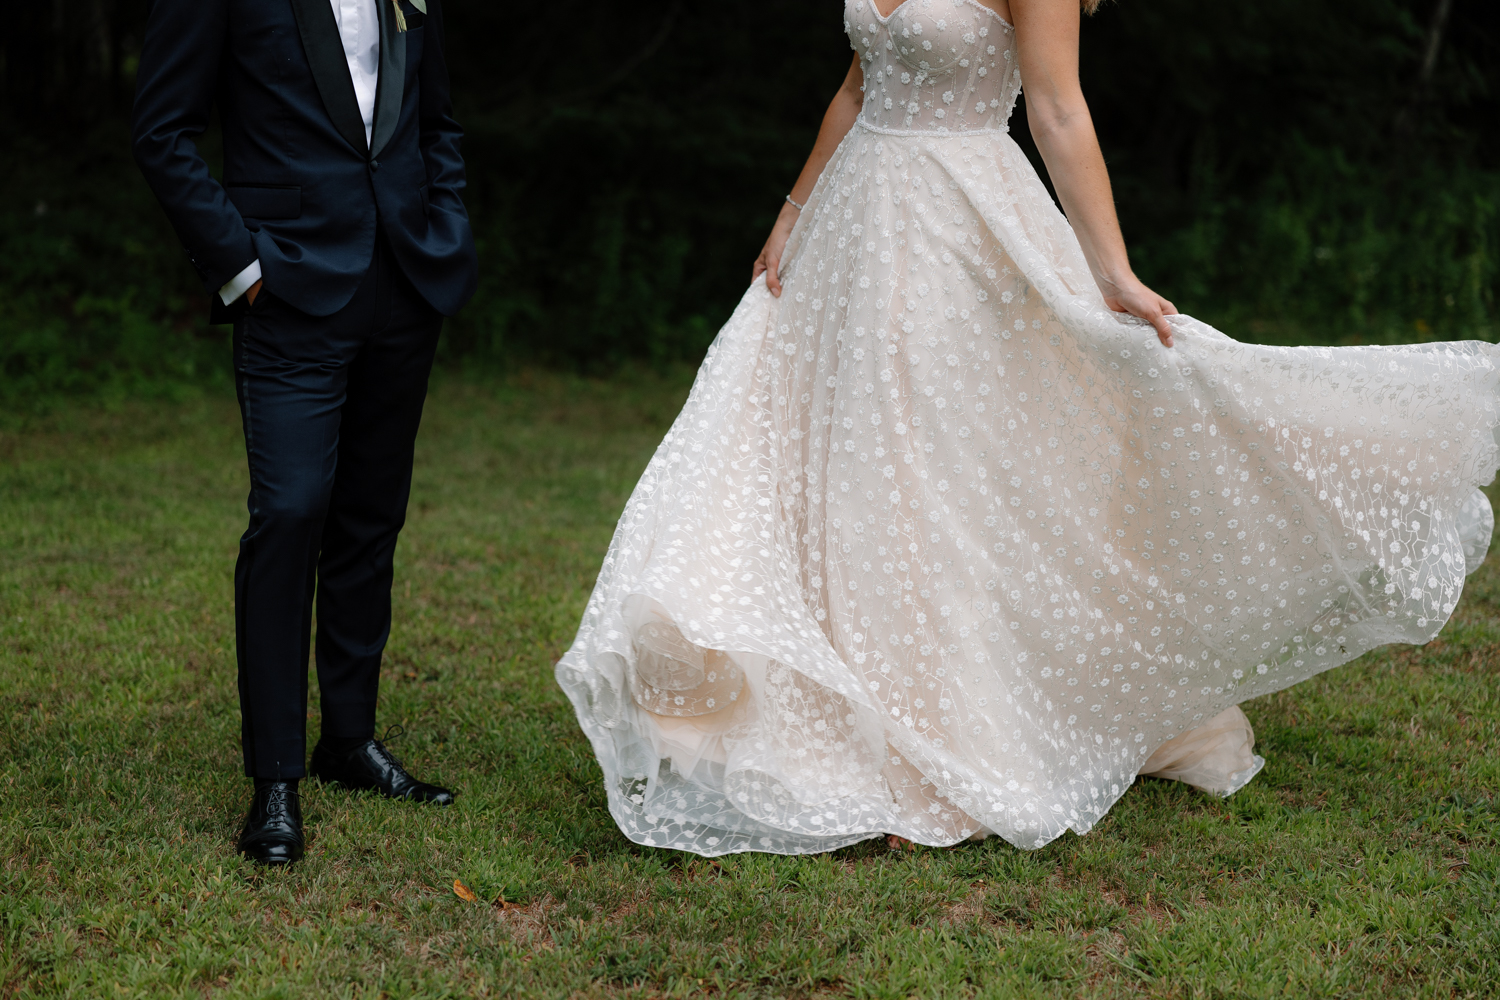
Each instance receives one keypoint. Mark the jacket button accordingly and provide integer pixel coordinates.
(374, 165)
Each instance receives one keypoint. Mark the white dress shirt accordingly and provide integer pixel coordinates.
(359, 29)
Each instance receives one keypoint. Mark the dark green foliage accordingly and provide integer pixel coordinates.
(1286, 169)
(1291, 170)
(98, 296)
(1281, 167)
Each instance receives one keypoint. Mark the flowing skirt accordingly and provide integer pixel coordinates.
(940, 546)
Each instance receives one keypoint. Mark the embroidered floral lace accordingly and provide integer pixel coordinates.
(941, 546)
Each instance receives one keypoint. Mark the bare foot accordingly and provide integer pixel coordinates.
(896, 843)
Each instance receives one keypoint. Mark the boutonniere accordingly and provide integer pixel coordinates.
(421, 6)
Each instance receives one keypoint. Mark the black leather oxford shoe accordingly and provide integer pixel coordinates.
(272, 834)
(370, 765)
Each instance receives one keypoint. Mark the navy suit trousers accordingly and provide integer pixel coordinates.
(331, 406)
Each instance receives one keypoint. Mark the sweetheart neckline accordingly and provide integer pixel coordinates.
(886, 18)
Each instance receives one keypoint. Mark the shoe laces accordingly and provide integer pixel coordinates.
(391, 734)
(280, 796)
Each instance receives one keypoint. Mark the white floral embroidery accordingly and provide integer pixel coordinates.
(818, 552)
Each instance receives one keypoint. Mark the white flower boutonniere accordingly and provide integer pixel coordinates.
(421, 6)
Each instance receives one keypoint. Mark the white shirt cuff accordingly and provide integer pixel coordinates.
(240, 283)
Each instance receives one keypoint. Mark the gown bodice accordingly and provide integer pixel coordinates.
(945, 66)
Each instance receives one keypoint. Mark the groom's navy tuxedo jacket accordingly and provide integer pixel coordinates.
(301, 189)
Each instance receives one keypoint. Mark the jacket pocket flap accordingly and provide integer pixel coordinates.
(258, 201)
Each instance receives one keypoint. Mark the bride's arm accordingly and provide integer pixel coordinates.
(837, 122)
(1047, 32)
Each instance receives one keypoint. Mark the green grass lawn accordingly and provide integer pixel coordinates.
(1362, 862)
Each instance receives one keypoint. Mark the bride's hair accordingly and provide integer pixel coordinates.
(1089, 6)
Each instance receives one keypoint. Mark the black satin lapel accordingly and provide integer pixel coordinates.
(392, 83)
(330, 69)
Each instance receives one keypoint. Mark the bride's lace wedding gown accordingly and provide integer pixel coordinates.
(941, 546)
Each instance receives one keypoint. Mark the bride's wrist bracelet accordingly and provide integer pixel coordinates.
(792, 203)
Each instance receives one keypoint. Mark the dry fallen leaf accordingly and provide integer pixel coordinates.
(502, 904)
(463, 892)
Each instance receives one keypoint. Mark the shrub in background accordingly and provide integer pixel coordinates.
(98, 297)
(1294, 171)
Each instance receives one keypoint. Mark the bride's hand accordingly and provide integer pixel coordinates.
(1130, 295)
(769, 261)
